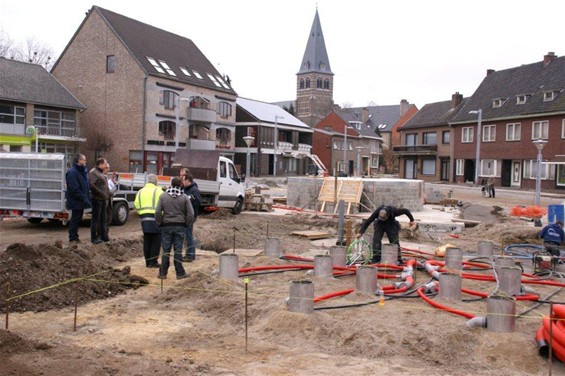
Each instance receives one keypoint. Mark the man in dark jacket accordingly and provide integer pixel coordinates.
(100, 192)
(173, 214)
(553, 236)
(384, 218)
(78, 194)
(193, 193)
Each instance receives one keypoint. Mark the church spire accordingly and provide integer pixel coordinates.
(315, 57)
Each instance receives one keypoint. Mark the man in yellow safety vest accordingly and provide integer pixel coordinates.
(145, 203)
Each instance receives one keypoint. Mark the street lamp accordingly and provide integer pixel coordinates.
(539, 145)
(479, 113)
(248, 141)
(276, 141)
(32, 131)
(345, 164)
(359, 148)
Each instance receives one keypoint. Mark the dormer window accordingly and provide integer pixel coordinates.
(496, 103)
(549, 96)
(521, 99)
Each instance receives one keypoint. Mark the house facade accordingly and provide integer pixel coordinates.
(145, 96)
(37, 113)
(347, 146)
(425, 147)
(290, 154)
(515, 107)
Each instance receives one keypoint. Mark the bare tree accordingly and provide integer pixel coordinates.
(6, 44)
(36, 52)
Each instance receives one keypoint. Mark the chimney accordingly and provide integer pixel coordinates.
(404, 106)
(548, 58)
(456, 99)
(489, 71)
(364, 114)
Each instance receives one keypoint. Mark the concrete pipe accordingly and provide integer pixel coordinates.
(501, 314)
(500, 261)
(509, 280)
(486, 249)
(272, 247)
(301, 297)
(366, 279)
(454, 258)
(229, 268)
(339, 255)
(389, 254)
(323, 266)
(449, 286)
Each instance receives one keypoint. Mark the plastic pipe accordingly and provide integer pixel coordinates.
(442, 307)
(477, 322)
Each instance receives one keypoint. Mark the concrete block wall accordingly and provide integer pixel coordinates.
(303, 192)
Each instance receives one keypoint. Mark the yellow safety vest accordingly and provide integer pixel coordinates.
(147, 198)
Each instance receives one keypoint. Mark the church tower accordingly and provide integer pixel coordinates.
(314, 86)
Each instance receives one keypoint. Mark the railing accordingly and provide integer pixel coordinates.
(57, 131)
(305, 148)
(200, 115)
(415, 150)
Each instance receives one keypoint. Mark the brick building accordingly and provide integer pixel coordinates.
(147, 91)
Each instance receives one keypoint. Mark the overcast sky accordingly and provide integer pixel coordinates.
(380, 51)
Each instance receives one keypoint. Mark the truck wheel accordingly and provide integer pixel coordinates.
(238, 206)
(120, 213)
(35, 220)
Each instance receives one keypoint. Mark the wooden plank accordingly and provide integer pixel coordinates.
(312, 235)
(348, 190)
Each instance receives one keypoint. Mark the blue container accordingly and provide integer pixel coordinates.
(555, 213)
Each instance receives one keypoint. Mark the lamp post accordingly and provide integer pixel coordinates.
(32, 131)
(248, 141)
(539, 143)
(275, 143)
(178, 99)
(345, 147)
(359, 148)
(479, 113)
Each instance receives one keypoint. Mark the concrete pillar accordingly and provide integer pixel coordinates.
(454, 258)
(323, 266)
(339, 255)
(501, 314)
(389, 254)
(486, 249)
(449, 286)
(229, 266)
(272, 247)
(301, 297)
(509, 280)
(366, 279)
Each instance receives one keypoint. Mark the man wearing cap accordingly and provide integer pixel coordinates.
(384, 218)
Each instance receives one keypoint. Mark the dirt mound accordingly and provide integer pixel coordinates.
(47, 276)
(12, 343)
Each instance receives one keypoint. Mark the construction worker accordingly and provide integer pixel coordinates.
(384, 218)
(553, 236)
(145, 203)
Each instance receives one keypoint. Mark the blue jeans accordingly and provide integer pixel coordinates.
(74, 223)
(172, 236)
(190, 248)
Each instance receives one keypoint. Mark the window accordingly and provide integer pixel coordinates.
(563, 128)
(233, 172)
(459, 167)
(155, 65)
(319, 83)
(548, 96)
(335, 145)
(327, 84)
(223, 172)
(167, 98)
(185, 71)
(307, 83)
(224, 109)
(531, 169)
(221, 80)
(513, 131)
(467, 134)
(429, 138)
(498, 102)
(199, 102)
(521, 99)
(539, 130)
(110, 64)
(135, 161)
(301, 83)
(167, 129)
(223, 135)
(214, 80)
(55, 123)
(411, 139)
(445, 137)
(12, 114)
(198, 75)
(488, 167)
(489, 133)
(428, 166)
(167, 68)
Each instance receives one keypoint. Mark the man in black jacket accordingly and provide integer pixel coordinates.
(384, 218)
(193, 193)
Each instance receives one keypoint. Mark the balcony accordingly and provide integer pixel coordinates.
(284, 146)
(197, 144)
(415, 150)
(57, 131)
(200, 115)
(13, 129)
(305, 148)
